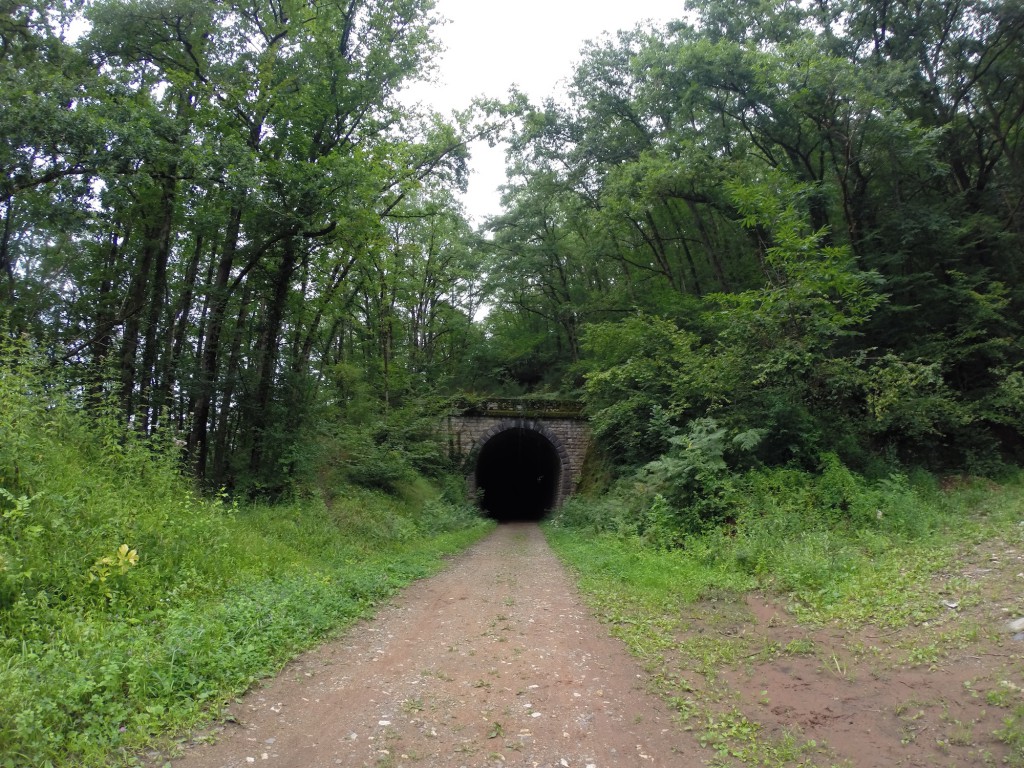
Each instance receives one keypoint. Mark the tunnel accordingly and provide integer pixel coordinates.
(518, 474)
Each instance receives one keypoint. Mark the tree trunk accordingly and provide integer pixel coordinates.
(267, 352)
(198, 443)
(6, 257)
(222, 433)
(157, 300)
(106, 319)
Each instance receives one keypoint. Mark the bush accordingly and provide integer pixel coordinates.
(643, 377)
(381, 451)
(796, 524)
(694, 478)
(598, 514)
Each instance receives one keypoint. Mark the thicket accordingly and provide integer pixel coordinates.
(765, 403)
(130, 606)
(795, 531)
(773, 234)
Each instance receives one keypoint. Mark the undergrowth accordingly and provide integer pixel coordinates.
(131, 607)
(843, 550)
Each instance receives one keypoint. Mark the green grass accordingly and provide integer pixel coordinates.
(844, 549)
(83, 683)
(1012, 734)
(131, 608)
(881, 571)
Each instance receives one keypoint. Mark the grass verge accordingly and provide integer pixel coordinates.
(683, 611)
(131, 608)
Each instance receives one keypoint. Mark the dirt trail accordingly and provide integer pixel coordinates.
(495, 662)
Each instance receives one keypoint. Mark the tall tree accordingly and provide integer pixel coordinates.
(896, 125)
(190, 226)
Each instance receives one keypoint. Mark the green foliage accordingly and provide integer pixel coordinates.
(1012, 734)
(378, 450)
(829, 537)
(844, 549)
(130, 607)
(814, 293)
(180, 161)
(910, 398)
(781, 362)
(767, 362)
(694, 476)
(644, 375)
(688, 489)
(822, 251)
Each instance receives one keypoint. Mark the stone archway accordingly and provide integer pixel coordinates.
(520, 470)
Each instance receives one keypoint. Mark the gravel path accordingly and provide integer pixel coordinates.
(494, 662)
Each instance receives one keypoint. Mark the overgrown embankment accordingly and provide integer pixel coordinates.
(131, 607)
(874, 581)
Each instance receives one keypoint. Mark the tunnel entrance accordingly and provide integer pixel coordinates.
(518, 472)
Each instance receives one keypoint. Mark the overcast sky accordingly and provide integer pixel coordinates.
(492, 44)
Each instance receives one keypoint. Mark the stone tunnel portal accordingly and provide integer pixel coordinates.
(518, 474)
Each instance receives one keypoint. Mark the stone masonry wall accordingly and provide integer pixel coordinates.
(570, 438)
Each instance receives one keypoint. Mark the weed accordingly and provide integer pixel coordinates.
(962, 734)
(437, 674)
(837, 667)
(1003, 695)
(799, 647)
(923, 654)
(1012, 734)
(413, 705)
(140, 607)
(684, 705)
(911, 710)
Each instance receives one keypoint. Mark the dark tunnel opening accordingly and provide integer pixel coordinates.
(518, 472)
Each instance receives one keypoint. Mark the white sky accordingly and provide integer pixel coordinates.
(492, 44)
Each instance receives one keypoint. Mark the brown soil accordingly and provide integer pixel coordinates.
(495, 662)
(498, 662)
(856, 694)
(926, 696)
